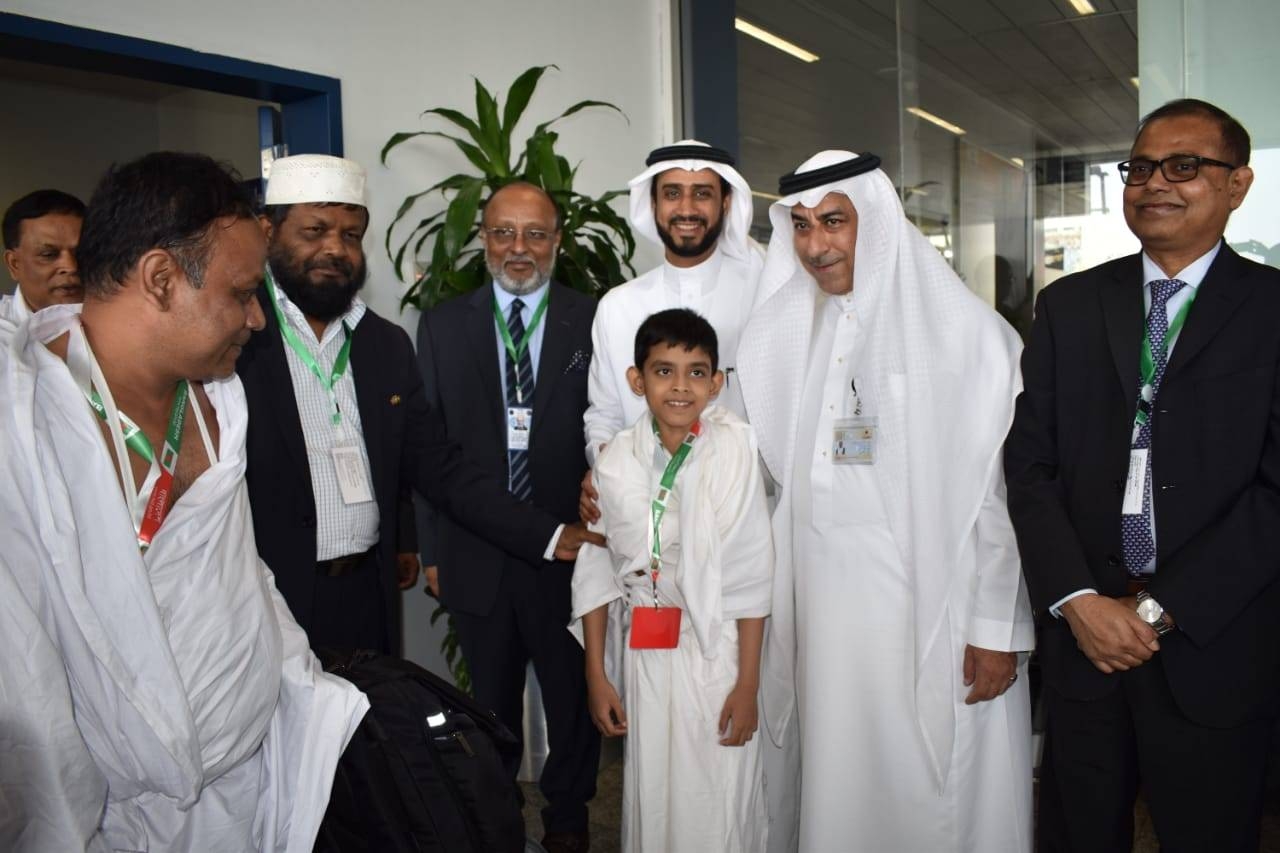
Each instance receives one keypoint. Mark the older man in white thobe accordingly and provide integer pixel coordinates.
(693, 202)
(156, 692)
(881, 390)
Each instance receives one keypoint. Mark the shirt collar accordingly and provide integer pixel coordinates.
(704, 274)
(531, 300)
(293, 314)
(1193, 274)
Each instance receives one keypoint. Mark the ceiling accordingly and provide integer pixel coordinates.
(1024, 78)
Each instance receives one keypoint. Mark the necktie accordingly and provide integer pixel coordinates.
(519, 388)
(1135, 530)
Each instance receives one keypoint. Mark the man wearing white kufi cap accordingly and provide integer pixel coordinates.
(881, 390)
(341, 426)
(695, 203)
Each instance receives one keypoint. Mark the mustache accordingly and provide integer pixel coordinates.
(519, 259)
(341, 265)
(823, 260)
(693, 220)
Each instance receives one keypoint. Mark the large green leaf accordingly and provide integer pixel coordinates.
(519, 94)
(460, 119)
(490, 136)
(459, 221)
(579, 107)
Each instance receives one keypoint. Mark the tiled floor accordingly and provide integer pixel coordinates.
(606, 813)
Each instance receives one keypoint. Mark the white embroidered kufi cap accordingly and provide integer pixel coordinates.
(315, 178)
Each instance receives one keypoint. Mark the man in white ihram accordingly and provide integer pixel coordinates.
(156, 692)
(881, 391)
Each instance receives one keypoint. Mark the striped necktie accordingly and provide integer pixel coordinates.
(519, 379)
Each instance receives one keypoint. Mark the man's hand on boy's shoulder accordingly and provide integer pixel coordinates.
(573, 537)
(588, 510)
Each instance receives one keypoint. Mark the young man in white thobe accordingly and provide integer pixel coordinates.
(881, 390)
(694, 203)
(158, 694)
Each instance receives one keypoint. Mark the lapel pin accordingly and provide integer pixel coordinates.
(395, 399)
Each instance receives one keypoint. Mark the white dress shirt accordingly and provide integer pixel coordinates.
(341, 528)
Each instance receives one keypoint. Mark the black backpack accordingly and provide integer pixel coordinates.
(423, 772)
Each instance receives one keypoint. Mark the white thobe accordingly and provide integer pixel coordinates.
(867, 783)
(722, 289)
(683, 790)
(164, 700)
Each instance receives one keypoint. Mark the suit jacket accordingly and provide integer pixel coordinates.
(458, 353)
(1215, 477)
(407, 446)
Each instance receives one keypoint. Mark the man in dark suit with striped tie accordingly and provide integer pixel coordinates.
(1143, 470)
(506, 366)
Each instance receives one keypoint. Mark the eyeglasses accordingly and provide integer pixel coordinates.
(503, 236)
(1176, 169)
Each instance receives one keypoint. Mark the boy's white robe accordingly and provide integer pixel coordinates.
(682, 790)
(157, 701)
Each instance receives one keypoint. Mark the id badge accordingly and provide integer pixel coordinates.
(853, 441)
(352, 479)
(1135, 484)
(655, 627)
(519, 424)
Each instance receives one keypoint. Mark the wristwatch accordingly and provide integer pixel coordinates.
(1150, 611)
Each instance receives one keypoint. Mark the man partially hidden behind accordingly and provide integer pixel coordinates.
(158, 694)
(506, 367)
(1144, 485)
(41, 231)
(341, 425)
(881, 390)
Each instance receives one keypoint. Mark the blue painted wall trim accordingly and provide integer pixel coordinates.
(709, 50)
(311, 103)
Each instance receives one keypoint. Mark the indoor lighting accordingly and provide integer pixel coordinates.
(1134, 81)
(940, 122)
(1017, 161)
(1083, 7)
(766, 196)
(774, 41)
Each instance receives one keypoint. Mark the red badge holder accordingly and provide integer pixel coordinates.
(655, 627)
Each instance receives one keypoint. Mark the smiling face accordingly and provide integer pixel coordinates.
(1179, 222)
(689, 210)
(520, 238)
(677, 383)
(44, 261)
(825, 238)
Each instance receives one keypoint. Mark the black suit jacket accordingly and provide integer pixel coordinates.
(406, 444)
(458, 353)
(1215, 477)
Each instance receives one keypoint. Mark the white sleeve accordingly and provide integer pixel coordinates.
(1002, 608)
(604, 416)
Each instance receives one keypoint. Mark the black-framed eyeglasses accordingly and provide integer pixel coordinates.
(503, 236)
(1176, 169)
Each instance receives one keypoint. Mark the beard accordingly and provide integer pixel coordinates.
(515, 286)
(325, 301)
(690, 251)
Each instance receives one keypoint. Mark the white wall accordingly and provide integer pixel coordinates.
(396, 59)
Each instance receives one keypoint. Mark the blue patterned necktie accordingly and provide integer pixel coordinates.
(1135, 530)
(519, 378)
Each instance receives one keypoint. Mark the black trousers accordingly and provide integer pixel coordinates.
(1204, 786)
(347, 611)
(498, 647)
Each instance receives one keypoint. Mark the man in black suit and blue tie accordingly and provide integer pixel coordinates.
(1143, 470)
(506, 367)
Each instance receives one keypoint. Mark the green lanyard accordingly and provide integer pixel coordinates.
(295, 343)
(1148, 362)
(158, 504)
(659, 506)
(516, 350)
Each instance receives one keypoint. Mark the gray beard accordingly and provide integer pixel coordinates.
(521, 288)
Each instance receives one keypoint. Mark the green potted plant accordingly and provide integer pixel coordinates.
(596, 245)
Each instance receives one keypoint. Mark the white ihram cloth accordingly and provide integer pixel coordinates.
(13, 309)
(157, 701)
(722, 289)
(682, 790)
(886, 572)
